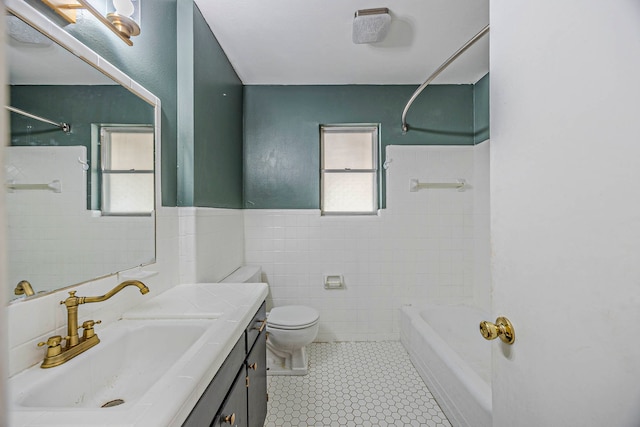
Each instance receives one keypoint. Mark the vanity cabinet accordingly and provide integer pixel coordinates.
(257, 380)
(237, 395)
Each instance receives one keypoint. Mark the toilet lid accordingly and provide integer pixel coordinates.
(289, 316)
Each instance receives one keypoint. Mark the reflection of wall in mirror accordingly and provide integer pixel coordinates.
(81, 106)
(53, 240)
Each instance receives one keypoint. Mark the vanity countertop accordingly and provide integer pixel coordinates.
(226, 307)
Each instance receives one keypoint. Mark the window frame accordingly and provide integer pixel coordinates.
(104, 146)
(375, 170)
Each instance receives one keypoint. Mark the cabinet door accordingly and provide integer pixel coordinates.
(213, 397)
(257, 382)
(234, 409)
(256, 326)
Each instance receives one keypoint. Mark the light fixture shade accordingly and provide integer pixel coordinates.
(371, 25)
(125, 16)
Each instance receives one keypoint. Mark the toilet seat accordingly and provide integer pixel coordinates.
(292, 317)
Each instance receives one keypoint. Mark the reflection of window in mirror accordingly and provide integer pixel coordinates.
(126, 174)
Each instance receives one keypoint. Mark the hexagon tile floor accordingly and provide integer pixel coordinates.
(355, 384)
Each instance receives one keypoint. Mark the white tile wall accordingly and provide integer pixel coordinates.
(211, 243)
(32, 321)
(219, 243)
(49, 247)
(422, 247)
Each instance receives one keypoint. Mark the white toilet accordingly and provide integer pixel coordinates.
(290, 328)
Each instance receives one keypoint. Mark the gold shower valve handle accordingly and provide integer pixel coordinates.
(502, 328)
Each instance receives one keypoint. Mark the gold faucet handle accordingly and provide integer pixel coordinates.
(53, 345)
(52, 341)
(87, 325)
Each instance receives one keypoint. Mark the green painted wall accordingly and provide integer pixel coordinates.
(217, 174)
(102, 104)
(281, 131)
(481, 109)
(201, 126)
(201, 140)
(186, 121)
(151, 61)
(209, 117)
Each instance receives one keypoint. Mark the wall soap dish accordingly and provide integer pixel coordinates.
(334, 282)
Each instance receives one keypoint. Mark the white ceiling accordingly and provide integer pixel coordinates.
(305, 42)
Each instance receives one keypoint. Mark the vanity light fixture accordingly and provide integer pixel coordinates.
(120, 16)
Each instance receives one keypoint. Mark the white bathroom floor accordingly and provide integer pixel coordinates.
(354, 384)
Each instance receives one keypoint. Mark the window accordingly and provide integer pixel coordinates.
(127, 169)
(349, 173)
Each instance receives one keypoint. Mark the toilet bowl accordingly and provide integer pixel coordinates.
(290, 329)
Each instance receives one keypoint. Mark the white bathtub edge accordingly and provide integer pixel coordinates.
(463, 396)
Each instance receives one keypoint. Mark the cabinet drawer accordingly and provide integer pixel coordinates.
(257, 325)
(212, 398)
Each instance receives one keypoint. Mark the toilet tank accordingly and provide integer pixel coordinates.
(246, 274)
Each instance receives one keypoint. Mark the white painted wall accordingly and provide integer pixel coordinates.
(481, 228)
(421, 248)
(565, 107)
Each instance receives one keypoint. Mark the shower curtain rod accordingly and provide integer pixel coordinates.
(467, 45)
(66, 127)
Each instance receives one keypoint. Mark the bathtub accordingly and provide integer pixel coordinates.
(445, 345)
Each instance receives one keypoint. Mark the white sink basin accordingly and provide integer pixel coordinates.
(131, 357)
(158, 363)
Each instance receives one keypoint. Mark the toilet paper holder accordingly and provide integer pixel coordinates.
(335, 281)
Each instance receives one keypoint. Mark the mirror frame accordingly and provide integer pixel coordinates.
(48, 28)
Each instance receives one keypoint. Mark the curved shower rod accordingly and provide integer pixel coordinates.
(467, 45)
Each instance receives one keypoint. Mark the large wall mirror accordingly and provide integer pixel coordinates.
(80, 166)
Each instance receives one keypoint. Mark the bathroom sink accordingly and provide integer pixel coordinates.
(131, 357)
(149, 369)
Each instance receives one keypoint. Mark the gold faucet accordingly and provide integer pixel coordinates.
(24, 288)
(56, 354)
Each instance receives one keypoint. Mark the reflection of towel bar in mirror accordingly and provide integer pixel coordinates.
(415, 185)
(65, 127)
(53, 186)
